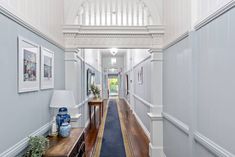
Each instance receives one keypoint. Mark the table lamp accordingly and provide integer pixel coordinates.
(62, 100)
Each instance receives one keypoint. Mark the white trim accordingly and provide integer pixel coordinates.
(92, 66)
(142, 61)
(155, 117)
(113, 30)
(176, 40)
(212, 146)
(146, 103)
(215, 14)
(147, 133)
(21, 145)
(179, 124)
(155, 151)
(71, 50)
(24, 24)
(82, 103)
(133, 67)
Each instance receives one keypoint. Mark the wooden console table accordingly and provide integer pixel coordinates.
(94, 103)
(72, 146)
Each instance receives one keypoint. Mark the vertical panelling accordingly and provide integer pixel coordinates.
(143, 90)
(176, 143)
(216, 80)
(177, 96)
(177, 80)
(205, 61)
(177, 15)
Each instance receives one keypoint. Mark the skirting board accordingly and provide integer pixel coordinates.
(147, 133)
(20, 146)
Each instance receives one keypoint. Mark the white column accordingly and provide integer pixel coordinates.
(132, 13)
(73, 83)
(138, 13)
(95, 13)
(106, 12)
(100, 9)
(127, 13)
(89, 12)
(143, 8)
(155, 115)
(121, 13)
(117, 9)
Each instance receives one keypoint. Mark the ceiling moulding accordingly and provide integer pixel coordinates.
(77, 36)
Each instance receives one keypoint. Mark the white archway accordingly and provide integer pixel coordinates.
(74, 10)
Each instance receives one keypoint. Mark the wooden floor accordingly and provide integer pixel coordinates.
(138, 140)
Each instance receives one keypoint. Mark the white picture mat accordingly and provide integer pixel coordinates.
(27, 86)
(45, 83)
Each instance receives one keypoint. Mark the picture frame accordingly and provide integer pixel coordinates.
(141, 75)
(89, 72)
(28, 65)
(127, 84)
(47, 68)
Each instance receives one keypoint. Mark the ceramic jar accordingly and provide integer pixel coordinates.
(65, 130)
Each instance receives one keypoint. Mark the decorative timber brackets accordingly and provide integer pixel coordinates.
(77, 36)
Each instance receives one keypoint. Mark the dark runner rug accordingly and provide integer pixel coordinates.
(112, 140)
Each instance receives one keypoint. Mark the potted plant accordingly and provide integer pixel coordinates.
(37, 146)
(95, 91)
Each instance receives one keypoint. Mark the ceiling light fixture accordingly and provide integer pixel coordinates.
(114, 51)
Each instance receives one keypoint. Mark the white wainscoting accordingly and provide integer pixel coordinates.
(147, 133)
(179, 124)
(21, 145)
(212, 146)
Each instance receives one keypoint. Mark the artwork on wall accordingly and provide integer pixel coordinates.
(28, 66)
(141, 75)
(47, 69)
(90, 80)
(127, 84)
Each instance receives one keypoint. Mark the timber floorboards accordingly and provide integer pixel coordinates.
(138, 140)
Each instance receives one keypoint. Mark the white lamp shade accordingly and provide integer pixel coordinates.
(62, 98)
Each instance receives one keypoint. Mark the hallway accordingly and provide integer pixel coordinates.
(136, 137)
(169, 65)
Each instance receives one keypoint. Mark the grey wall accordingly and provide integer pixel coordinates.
(143, 91)
(22, 114)
(199, 87)
(97, 81)
(140, 90)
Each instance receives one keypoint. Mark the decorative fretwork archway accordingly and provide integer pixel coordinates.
(113, 12)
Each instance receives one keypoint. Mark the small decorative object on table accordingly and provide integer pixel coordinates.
(65, 129)
(62, 117)
(37, 146)
(63, 100)
(95, 91)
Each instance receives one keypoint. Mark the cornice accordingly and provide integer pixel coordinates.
(31, 28)
(176, 40)
(113, 30)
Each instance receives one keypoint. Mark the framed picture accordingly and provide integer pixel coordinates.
(141, 75)
(90, 80)
(47, 69)
(28, 66)
(127, 84)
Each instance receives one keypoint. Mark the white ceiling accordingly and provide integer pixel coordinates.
(106, 52)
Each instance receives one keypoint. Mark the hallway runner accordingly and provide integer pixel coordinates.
(112, 140)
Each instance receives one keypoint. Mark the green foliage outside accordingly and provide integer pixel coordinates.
(113, 83)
